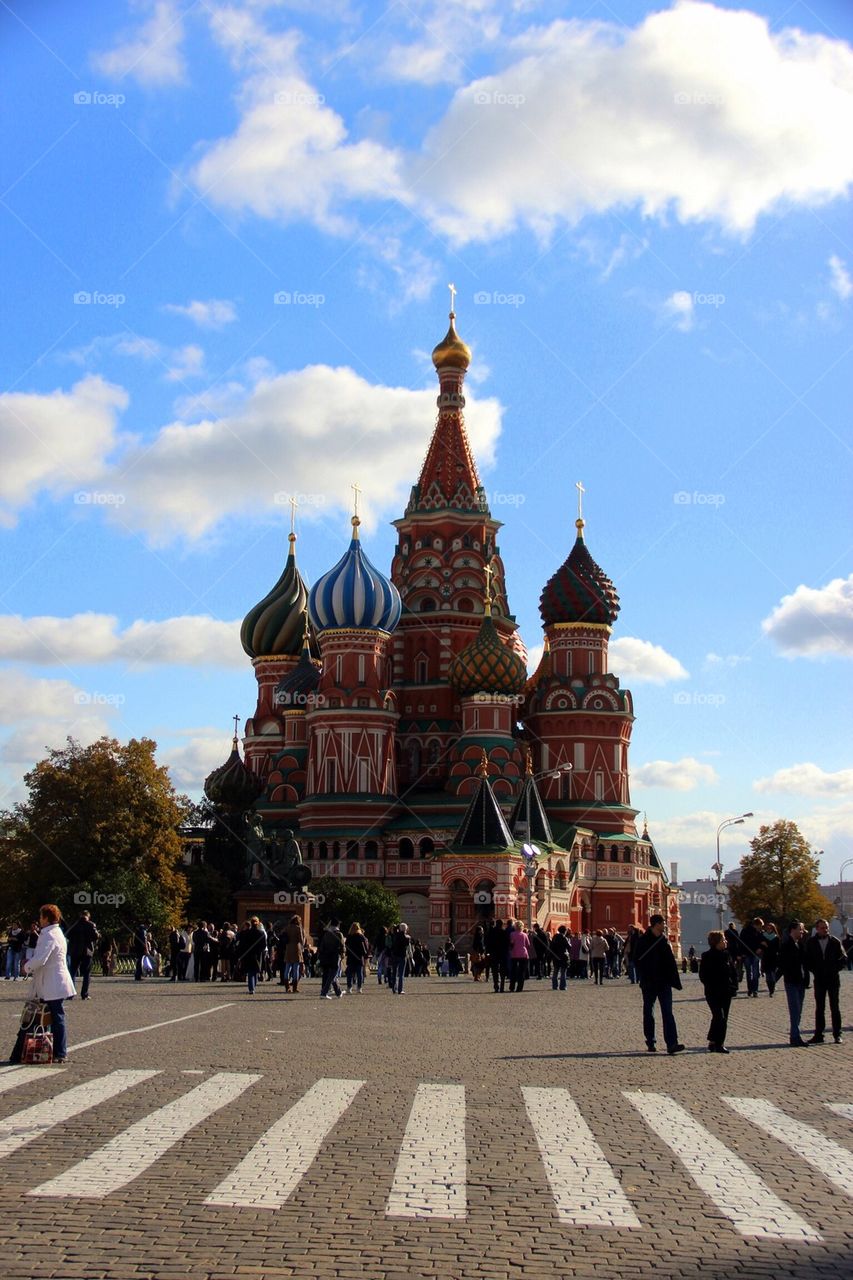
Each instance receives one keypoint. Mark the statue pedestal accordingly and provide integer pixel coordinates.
(274, 905)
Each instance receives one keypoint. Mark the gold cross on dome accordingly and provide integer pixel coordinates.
(581, 491)
(293, 505)
(356, 491)
(488, 571)
(236, 723)
(453, 292)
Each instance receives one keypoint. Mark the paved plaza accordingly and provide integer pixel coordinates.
(443, 1134)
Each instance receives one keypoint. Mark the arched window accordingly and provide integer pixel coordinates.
(414, 761)
(407, 848)
(310, 849)
(427, 605)
(426, 847)
(626, 853)
(352, 848)
(421, 671)
(371, 849)
(323, 849)
(465, 605)
(560, 881)
(434, 753)
(599, 853)
(336, 849)
(614, 853)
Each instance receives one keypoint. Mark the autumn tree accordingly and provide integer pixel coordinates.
(779, 879)
(371, 904)
(100, 823)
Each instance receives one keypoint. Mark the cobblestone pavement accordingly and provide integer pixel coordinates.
(449, 1133)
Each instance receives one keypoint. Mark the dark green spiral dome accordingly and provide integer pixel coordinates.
(580, 590)
(232, 785)
(275, 627)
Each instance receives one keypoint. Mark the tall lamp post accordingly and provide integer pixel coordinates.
(718, 866)
(531, 852)
(843, 905)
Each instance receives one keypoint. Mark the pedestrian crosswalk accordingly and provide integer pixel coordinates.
(428, 1177)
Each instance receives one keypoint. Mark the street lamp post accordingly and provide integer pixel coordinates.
(718, 866)
(530, 852)
(843, 907)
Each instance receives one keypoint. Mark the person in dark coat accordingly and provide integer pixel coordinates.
(252, 945)
(826, 958)
(658, 974)
(141, 949)
(718, 976)
(497, 949)
(770, 956)
(81, 940)
(752, 946)
(330, 952)
(795, 974)
(560, 952)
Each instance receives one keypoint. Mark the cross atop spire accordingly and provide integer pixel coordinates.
(356, 491)
(236, 723)
(579, 523)
(453, 292)
(293, 505)
(487, 595)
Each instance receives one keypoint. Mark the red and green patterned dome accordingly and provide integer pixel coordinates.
(580, 590)
(487, 664)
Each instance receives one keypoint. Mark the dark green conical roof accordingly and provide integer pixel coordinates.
(540, 827)
(484, 825)
(275, 627)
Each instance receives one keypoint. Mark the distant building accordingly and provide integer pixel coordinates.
(700, 911)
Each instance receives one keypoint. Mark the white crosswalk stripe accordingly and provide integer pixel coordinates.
(24, 1126)
(583, 1184)
(134, 1150)
(827, 1157)
(844, 1109)
(429, 1180)
(739, 1194)
(14, 1077)
(274, 1167)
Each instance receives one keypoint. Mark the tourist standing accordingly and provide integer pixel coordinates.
(795, 973)
(176, 943)
(400, 946)
(519, 956)
(770, 956)
(719, 978)
(253, 945)
(294, 953)
(357, 951)
(659, 976)
(15, 940)
(81, 940)
(560, 953)
(496, 949)
(826, 958)
(598, 954)
(751, 947)
(52, 981)
(330, 952)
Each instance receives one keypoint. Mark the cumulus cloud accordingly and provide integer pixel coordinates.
(813, 622)
(202, 752)
(675, 775)
(56, 440)
(839, 278)
(97, 638)
(216, 313)
(808, 779)
(699, 112)
(717, 660)
(643, 662)
(188, 363)
(37, 715)
(308, 432)
(679, 309)
(153, 53)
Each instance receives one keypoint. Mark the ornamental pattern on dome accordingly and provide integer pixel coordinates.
(232, 785)
(275, 627)
(295, 690)
(487, 664)
(580, 590)
(354, 594)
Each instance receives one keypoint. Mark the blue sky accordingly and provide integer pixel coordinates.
(646, 213)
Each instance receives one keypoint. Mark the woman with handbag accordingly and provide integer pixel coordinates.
(52, 981)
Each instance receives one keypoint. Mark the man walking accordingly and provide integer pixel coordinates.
(400, 945)
(826, 958)
(658, 975)
(560, 952)
(496, 950)
(81, 940)
(330, 953)
(795, 974)
(14, 951)
(751, 947)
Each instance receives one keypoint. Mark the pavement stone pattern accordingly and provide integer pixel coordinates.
(450, 1100)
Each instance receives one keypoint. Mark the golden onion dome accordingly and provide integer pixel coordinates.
(452, 352)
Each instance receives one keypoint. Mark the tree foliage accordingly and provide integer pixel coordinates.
(100, 821)
(371, 904)
(779, 879)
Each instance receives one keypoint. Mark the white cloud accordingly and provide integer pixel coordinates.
(675, 775)
(57, 441)
(699, 112)
(153, 53)
(216, 313)
(808, 779)
(189, 363)
(96, 638)
(726, 660)
(642, 661)
(37, 715)
(301, 432)
(839, 278)
(679, 308)
(189, 765)
(814, 621)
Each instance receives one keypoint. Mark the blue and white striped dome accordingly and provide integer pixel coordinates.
(354, 594)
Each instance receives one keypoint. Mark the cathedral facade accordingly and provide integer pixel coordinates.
(398, 733)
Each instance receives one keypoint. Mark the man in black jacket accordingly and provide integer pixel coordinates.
(82, 937)
(751, 946)
(658, 973)
(825, 958)
(560, 952)
(795, 974)
(497, 945)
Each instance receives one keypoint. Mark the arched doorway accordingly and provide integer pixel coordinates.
(461, 914)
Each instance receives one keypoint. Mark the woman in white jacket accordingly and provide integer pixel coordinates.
(51, 979)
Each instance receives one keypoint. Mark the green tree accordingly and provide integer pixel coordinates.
(100, 822)
(371, 904)
(779, 879)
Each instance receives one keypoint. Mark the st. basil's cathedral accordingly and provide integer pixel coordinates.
(398, 734)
